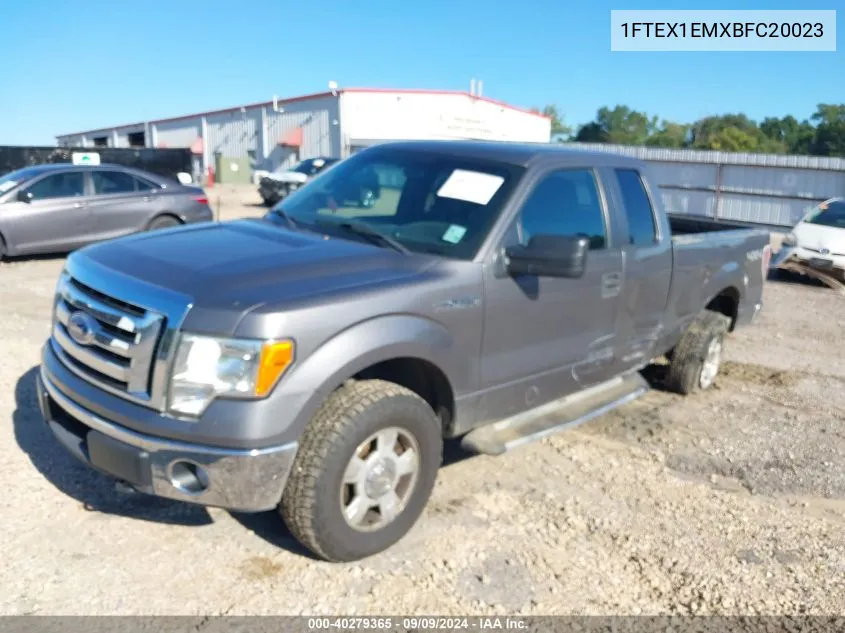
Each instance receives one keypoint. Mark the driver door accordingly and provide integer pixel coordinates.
(546, 337)
(54, 219)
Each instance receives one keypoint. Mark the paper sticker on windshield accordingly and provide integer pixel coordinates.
(454, 234)
(470, 186)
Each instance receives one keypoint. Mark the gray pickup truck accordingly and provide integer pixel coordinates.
(314, 360)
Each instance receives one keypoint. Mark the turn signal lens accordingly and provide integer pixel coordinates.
(275, 359)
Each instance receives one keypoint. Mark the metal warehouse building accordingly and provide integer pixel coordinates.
(277, 134)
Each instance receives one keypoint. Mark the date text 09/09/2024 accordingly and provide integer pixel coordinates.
(415, 623)
(723, 29)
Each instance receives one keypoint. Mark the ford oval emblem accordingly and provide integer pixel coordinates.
(82, 328)
(824, 251)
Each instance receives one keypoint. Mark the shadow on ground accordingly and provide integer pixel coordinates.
(20, 259)
(789, 278)
(270, 527)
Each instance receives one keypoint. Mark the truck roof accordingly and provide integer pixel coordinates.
(516, 153)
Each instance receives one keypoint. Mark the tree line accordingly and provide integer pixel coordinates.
(823, 134)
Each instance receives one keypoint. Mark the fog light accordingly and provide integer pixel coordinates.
(188, 477)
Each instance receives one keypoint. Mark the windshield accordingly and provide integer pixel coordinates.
(428, 203)
(828, 214)
(14, 178)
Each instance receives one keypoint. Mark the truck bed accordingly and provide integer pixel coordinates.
(702, 249)
(692, 224)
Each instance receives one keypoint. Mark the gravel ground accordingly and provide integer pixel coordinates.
(730, 502)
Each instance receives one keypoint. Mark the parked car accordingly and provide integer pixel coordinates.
(59, 207)
(315, 359)
(816, 245)
(274, 187)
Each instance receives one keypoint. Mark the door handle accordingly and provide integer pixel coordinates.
(78, 205)
(611, 281)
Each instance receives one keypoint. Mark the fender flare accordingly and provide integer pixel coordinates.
(363, 345)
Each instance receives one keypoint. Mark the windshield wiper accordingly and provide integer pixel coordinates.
(366, 231)
(291, 222)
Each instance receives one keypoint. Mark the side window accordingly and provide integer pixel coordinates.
(64, 185)
(106, 182)
(142, 184)
(642, 228)
(565, 202)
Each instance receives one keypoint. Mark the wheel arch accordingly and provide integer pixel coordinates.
(408, 350)
(726, 302)
(165, 214)
(422, 377)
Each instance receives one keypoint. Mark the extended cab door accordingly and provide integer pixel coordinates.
(647, 266)
(545, 337)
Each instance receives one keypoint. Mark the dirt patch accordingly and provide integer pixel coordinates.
(757, 374)
(260, 568)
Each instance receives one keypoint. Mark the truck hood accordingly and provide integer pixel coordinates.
(288, 176)
(818, 237)
(231, 267)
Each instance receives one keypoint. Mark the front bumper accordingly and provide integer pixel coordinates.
(806, 257)
(238, 479)
(829, 269)
(273, 192)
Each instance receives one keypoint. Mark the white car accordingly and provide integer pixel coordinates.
(275, 186)
(817, 242)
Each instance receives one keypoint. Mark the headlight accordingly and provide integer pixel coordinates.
(790, 240)
(207, 367)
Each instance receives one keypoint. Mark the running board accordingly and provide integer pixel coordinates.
(502, 436)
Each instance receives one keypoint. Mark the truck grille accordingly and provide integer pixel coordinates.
(106, 341)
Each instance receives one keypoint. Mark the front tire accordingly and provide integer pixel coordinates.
(697, 357)
(365, 469)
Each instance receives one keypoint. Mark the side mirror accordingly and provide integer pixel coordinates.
(549, 256)
(24, 196)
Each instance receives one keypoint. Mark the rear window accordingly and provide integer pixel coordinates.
(830, 214)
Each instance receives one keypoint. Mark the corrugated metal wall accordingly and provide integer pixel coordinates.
(234, 134)
(320, 122)
(250, 133)
(181, 133)
(764, 189)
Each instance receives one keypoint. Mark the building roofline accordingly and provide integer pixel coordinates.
(448, 92)
(316, 95)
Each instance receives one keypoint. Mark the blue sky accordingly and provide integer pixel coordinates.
(72, 66)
